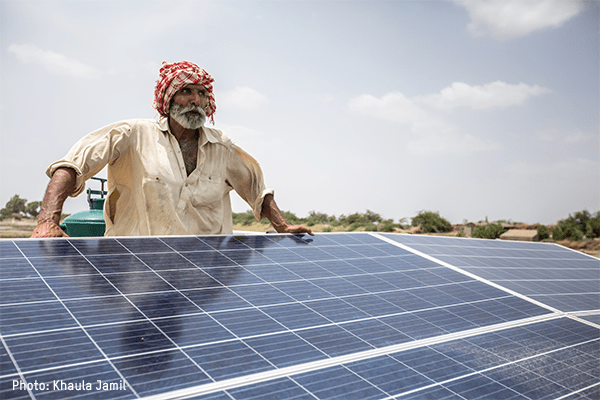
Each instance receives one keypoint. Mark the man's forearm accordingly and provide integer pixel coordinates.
(60, 187)
(273, 214)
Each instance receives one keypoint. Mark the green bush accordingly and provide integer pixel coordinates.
(593, 226)
(292, 219)
(315, 218)
(491, 231)
(575, 226)
(581, 219)
(542, 232)
(387, 226)
(246, 218)
(367, 220)
(362, 219)
(371, 228)
(566, 230)
(431, 222)
(354, 226)
(4, 216)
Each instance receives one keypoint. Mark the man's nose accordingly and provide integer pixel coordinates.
(196, 99)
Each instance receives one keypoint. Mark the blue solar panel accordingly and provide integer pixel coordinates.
(561, 278)
(280, 316)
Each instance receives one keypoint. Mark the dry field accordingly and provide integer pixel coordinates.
(12, 228)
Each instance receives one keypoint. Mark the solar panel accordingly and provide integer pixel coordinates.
(346, 316)
(558, 277)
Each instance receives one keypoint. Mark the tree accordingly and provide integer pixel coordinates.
(315, 218)
(581, 219)
(246, 218)
(16, 205)
(387, 226)
(593, 226)
(568, 228)
(491, 231)
(33, 208)
(542, 232)
(291, 218)
(431, 222)
(373, 217)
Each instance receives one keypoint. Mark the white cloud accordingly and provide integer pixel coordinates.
(507, 19)
(242, 98)
(54, 62)
(495, 94)
(397, 107)
(422, 113)
(392, 106)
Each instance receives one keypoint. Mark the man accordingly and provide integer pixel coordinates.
(167, 177)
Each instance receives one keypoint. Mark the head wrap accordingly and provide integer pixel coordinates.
(174, 77)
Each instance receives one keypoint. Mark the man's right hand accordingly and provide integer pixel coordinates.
(48, 229)
(60, 187)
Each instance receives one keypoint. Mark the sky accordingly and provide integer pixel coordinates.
(476, 109)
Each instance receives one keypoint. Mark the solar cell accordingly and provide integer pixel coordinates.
(280, 316)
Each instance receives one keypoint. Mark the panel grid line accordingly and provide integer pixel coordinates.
(16, 365)
(566, 396)
(476, 277)
(104, 355)
(137, 308)
(528, 358)
(318, 365)
(218, 322)
(179, 292)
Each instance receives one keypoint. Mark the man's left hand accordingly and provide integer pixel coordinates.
(295, 229)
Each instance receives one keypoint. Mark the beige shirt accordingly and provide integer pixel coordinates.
(149, 192)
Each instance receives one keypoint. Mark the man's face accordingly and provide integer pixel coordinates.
(192, 94)
(187, 106)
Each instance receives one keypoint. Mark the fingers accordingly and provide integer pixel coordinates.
(48, 230)
(300, 229)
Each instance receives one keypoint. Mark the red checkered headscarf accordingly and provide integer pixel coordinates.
(175, 76)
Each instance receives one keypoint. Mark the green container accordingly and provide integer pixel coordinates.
(90, 222)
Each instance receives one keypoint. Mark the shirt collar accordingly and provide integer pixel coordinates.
(209, 134)
(163, 125)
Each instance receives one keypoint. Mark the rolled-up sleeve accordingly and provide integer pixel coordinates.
(93, 152)
(246, 177)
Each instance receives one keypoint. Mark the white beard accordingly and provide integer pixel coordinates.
(186, 119)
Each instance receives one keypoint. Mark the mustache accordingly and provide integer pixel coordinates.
(184, 110)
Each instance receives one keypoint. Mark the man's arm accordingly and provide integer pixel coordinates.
(60, 187)
(273, 214)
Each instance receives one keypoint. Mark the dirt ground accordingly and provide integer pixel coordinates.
(591, 247)
(23, 228)
(12, 228)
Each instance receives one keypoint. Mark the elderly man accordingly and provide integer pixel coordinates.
(167, 177)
